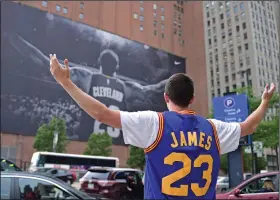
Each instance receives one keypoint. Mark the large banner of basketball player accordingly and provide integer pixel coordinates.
(123, 74)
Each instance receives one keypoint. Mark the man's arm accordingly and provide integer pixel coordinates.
(139, 128)
(252, 122)
(229, 133)
(93, 107)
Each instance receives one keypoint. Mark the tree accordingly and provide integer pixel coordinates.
(45, 135)
(99, 144)
(247, 163)
(136, 158)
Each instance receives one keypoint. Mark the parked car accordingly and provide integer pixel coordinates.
(254, 188)
(24, 185)
(222, 184)
(7, 165)
(113, 183)
(62, 174)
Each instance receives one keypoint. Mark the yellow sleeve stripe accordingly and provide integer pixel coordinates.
(159, 134)
(215, 135)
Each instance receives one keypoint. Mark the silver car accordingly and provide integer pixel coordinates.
(222, 184)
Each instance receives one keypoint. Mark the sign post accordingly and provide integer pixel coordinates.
(233, 108)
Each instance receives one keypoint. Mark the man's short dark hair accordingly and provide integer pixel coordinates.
(180, 89)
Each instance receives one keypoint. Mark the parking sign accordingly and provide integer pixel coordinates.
(232, 108)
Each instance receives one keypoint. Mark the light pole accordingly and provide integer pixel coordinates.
(253, 163)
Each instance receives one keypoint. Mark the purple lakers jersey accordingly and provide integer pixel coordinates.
(184, 160)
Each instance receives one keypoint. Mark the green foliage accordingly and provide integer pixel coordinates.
(45, 134)
(99, 144)
(247, 163)
(136, 158)
(267, 132)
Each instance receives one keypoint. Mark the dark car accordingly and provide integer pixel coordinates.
(7, 165)
(24, 185)
(113, 183)
(63, 174)
(260, 186)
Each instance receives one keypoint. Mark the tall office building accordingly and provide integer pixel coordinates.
(242, 45)
(277, 15)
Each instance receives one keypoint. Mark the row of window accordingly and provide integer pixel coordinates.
(64, 9)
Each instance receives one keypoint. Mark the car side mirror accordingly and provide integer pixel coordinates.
(237, 192)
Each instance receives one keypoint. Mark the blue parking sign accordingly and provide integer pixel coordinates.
(232, 108)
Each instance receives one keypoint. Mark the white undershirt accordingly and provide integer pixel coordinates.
(140, 129)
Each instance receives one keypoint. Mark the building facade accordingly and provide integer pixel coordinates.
(175, 27)
(242, 45)
(242, 49)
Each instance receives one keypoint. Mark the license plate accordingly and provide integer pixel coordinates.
(90, 186)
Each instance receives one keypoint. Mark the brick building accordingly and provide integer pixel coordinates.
(172, 26)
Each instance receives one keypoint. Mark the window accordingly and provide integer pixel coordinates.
(65, 10)
(44, 3)
(141, 28)
(259, 185)
(213, 20)
(244, 25)
(141, 9)
(221, 16)
(162, 35)
(155, 32)
(243, 84)
(245, 36)
(208, 23)
(135, 16)
(81, 16)
(227, 89)
(155, 6)
(57, 8)
(6, 188)
(222, 26)
(246, 46)
(141, 18)
(162, 9)
(226, 79)
(239, 49)
(36, 188)
(162, 26)
(162, 17)
(235, 9)
(247, 61)
(242, 6)
(237, 28)
(182, 42)
(234, 86)
(155, 15)
(82, 5)
(207, 14)
(233, 76)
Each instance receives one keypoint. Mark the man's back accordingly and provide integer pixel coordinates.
(184, 160)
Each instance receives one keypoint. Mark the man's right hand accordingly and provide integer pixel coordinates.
(59, 72)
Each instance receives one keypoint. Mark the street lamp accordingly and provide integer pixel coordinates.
(253, 162)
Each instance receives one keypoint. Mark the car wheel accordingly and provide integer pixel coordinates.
(223, 190)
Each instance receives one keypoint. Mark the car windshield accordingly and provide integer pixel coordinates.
(103, 175)
(8, 166)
